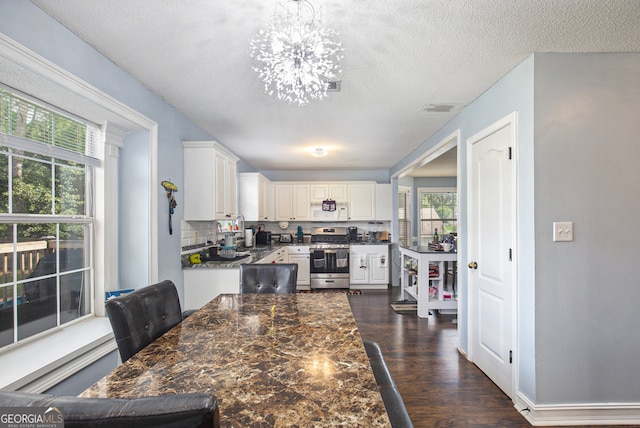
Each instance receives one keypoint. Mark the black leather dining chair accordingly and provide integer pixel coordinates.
(278, 278)
(174, 410)
(140, 317)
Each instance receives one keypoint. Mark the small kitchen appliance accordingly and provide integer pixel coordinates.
(352, 232)
(263, 238)
(286, 238)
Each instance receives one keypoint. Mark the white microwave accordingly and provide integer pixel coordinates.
(340, 214)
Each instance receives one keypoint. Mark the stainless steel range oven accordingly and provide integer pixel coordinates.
(329, 257)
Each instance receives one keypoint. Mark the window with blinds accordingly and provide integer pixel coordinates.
(403, 217)
(47, 162)
(23, 123)
(438, 210)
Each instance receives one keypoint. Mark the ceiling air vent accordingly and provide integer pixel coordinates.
(334, 86)
(438, 108)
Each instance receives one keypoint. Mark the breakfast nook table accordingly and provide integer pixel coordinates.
(272, 360)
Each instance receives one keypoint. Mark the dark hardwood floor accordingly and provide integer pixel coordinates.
(439, 386)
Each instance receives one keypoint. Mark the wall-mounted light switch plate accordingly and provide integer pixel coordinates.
(562, 231)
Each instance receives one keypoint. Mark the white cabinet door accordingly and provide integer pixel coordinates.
(318, 192)
(362, 201)
(230, 189)
(283, 198)
(199, 200)
(219, 168)
(265, 204)
(292, 202)
(255, 195)
(378, 269)
(338, 192)
(303, 267)
(300, 203)
(209, 181)
(358, 273)
(384, 202)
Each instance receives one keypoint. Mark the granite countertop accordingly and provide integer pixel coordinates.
(367, 242)
(424, 249)
(255, 255)
(270, 359)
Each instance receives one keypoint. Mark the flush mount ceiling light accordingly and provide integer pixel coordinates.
(298, 55)
(319, 152)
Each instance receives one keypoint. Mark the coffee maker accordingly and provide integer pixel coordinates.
(352, 233)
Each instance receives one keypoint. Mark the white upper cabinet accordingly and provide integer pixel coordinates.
(384, 202)
(256, 197)
(362, 201)
(210, 182)
(319, 192)
(292, 202)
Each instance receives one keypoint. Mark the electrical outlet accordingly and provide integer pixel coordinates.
(562, 231)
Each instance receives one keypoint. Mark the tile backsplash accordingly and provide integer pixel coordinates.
(198, 232)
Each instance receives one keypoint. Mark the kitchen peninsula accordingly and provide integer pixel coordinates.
(423, 278)
(270, 359)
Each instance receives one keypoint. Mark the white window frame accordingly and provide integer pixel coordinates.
(53, 357)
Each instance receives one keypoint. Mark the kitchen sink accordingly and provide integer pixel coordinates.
(218, 258)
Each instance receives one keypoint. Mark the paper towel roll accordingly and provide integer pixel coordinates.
(248, 237)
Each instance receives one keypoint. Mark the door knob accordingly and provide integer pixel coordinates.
(473, 265)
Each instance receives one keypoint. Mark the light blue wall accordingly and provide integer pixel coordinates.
(133, 191)
(576, 302)
(514, 92)
(28, 25)
(379, 176)
(586, 168)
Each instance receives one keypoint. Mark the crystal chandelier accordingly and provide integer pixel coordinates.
(299, 57)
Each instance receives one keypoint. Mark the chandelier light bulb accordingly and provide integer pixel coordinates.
(298, 56)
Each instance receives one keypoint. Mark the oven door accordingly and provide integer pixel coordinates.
(332, 260)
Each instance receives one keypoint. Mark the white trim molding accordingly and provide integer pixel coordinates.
(52, 367)
(578, 414)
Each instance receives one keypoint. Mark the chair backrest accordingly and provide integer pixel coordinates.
(175, 410)
(278, 278)
(140, 317)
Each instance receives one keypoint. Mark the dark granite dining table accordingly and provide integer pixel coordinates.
(272, 360)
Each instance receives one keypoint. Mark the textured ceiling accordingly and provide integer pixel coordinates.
(401, 56)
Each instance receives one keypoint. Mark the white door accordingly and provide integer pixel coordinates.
(491, 238)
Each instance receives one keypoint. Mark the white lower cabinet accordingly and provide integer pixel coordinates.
(300, 255)
(369, 266)
(202, 285)
(279, 255)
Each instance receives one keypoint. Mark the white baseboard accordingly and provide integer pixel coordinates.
(369, 286)
(578, 414)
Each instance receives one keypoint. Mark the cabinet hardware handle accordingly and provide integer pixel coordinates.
(473, 265)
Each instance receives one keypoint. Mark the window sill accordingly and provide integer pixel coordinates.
(40, 364)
